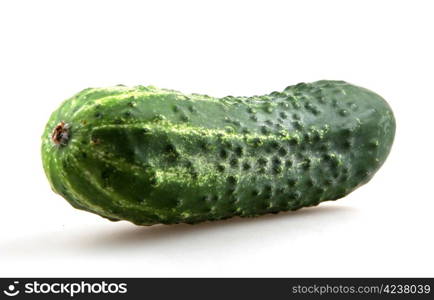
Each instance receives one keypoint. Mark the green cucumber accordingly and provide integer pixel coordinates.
(150, 155)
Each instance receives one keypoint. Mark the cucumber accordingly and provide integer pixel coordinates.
(150, 155)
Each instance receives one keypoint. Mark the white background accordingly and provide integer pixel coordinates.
(53, 49)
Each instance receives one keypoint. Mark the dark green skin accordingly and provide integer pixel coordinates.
(150, 155)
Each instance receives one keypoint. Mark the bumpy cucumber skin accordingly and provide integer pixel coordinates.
(150, 155)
